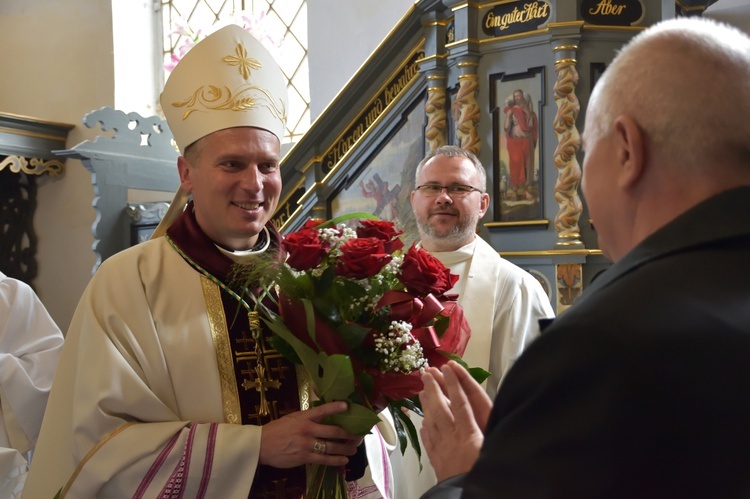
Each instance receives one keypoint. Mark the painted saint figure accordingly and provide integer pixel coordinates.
(521, 132)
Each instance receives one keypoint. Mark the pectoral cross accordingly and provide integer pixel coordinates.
(262, 382)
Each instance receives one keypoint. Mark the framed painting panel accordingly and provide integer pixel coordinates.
(383, 185)
(516, 103)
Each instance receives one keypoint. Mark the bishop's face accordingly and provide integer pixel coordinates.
(235, 182)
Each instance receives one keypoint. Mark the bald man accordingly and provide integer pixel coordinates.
(642, 388)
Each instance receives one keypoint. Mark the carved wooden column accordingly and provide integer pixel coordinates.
(568, 271)
(568, 144)
(466, 107)
(464, 52)
(437, 119)
(26, 146)
(433, 66)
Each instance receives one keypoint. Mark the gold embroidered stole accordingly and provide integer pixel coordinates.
(258, 383)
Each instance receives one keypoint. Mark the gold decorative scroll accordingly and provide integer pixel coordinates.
(213, 98)
(466, 113)
(568, 143)
(18, 164)
(436, 118)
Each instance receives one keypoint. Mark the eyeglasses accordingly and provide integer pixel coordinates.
(453, 190)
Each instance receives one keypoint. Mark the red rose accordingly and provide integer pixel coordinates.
(305, 248)
(383, 230)
(362, 257)
(423, 274)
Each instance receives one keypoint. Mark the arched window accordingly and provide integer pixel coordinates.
(281, 25)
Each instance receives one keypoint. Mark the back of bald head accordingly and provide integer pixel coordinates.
(685, 83)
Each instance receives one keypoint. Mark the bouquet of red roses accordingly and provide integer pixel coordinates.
(365, 319)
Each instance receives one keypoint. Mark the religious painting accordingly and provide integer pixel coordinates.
(383, 186)
(516, 103)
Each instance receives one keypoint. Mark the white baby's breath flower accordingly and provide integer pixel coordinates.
(394, 266)
(400, 351)
(348, 233)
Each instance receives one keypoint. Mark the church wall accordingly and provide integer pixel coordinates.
(336, 54)
(57, 60)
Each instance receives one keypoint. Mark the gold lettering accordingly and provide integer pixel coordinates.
(372, 113)
(375, 111)
(605, 8)
(531, 11)
(394, 90)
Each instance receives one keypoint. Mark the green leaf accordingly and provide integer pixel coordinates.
(296, 286)
(441, 324)
(284, 348)
(412, 404)
(310, 316)
(408, 429)
(307, 355)
(352, 334)
(477, 373)
(332, 375)
(357, 419)
(337, 377)
(405, 430)
(326, 309)
(326, 279)
(345, 292)
(400, 431)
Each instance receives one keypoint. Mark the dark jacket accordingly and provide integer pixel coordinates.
(642, 388)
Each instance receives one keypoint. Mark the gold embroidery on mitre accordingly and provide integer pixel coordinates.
(207, 99)
(244, 62)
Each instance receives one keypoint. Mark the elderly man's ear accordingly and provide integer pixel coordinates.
(631, 151)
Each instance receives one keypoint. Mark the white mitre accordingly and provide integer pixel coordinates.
(227, 80)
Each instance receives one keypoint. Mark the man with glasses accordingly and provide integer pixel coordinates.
(502, 302)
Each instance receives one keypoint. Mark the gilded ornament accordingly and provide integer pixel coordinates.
(569, 141)
(244, 62)
(241, 101)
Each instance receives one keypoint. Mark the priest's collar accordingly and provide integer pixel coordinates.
(243, 256)
(450, 257)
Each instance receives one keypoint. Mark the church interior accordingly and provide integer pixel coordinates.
(87, 166)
